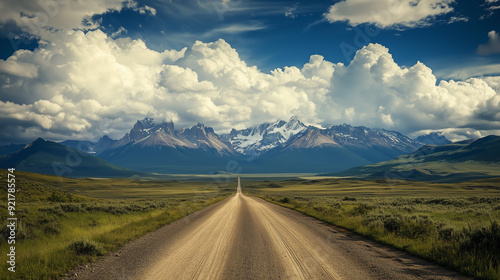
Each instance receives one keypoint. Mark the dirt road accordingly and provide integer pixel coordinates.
(247, 238)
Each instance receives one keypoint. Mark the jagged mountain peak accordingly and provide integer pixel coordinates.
(294, 120)
(147, 126)
(146, 133)
(141, 129)
(258, 139)
(104, 138)
(146, 123)
(103, 143)
(168, 127)
(433, 138)
(293, 124)
(198, 131)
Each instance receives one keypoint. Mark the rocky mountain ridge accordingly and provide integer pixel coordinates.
(280, 146)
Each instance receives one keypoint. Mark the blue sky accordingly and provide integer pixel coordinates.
(283, 33)
(283, 41)
(423, 53)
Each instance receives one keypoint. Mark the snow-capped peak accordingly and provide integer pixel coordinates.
(257, 139)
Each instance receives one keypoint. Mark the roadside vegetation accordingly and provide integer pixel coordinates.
(66, 222)
(456, 225)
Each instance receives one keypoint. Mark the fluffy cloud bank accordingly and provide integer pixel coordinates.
(83, 85)
(388, 13)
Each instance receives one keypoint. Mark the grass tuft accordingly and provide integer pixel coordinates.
(86, 247)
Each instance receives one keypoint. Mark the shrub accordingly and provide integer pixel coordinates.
(71, 207)
(52, 228)
(285, 200)
(319, 209)
(447, 233)
(361, 210)
(483, 243)
(393, 223)
(56, 210)
(413, 227)
(274, 186)
(86, 247)
(336, 205)
(58, 197)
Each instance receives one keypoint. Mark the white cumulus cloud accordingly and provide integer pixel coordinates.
(19, 69)
(82, 85)
(388, 13)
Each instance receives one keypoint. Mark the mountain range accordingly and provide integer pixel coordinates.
(281, 146)
(465, 160)
(256, 140)
(161, 148)
(272, 147)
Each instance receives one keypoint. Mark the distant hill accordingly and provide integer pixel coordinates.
(8, 149)
(84, 146)
(51, 158)
(466, 160)
(90, 147)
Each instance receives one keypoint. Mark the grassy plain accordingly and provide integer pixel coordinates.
(65, 222)
(454, 224)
